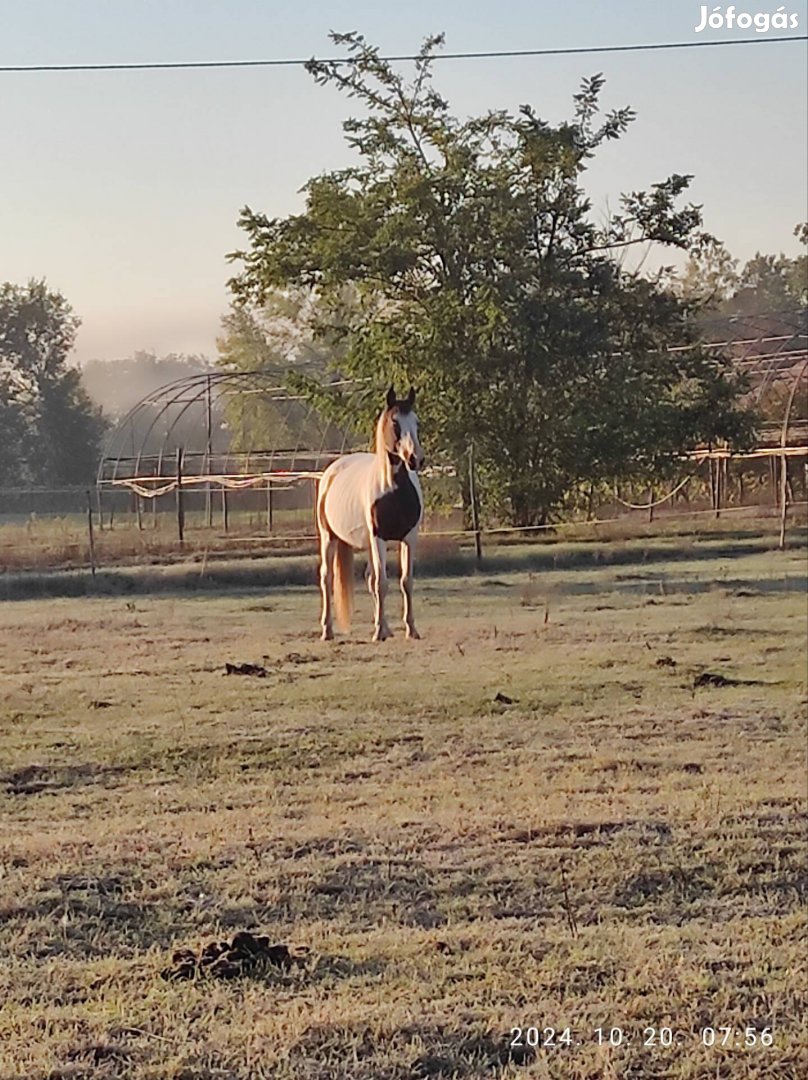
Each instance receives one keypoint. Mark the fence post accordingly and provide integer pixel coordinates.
(783, 500)
(90, 531)
(225, 521)
(725, 480)
(269, 508)
(475, 514)
(784, 457)
(208, 453)
(180, 507)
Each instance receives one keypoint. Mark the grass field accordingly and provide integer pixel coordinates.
(48, 542)
(611, 847)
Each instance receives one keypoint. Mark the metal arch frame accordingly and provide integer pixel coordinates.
(767, 357)
(182, 395)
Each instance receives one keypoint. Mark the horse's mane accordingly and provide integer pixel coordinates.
(381, 448)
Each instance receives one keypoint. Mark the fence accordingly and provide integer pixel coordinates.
(179, 517)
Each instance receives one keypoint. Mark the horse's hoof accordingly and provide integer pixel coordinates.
(382, 634)
(327, 635)
(413, 634)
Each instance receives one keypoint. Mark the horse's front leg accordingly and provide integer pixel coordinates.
(378, 587)
(407, 557)
(328, 547)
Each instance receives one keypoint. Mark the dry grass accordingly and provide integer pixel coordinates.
(43, 543)
(612, 849)
(62, 543)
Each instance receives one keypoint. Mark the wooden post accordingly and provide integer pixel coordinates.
(180, 507)
(783, 500)
(269, 508)
(475, 514)
(225, 520)
(99, 508)
(651, 504)
(90, 531)
(208, 453)
(725, 480)
(784, 457)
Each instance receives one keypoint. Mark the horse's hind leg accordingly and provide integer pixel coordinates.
(328, 549)
(406, 556)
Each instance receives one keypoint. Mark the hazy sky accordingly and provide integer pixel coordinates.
(122, 189)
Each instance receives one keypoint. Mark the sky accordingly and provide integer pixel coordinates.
(122, 189)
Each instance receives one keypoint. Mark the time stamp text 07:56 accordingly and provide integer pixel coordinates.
(721, 1036)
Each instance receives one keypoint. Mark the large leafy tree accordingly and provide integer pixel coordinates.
(767, 285)
(484, 280)
(49, 428)
(15, 414)
(287, 339)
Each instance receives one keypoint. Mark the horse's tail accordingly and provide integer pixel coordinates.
(343, 587)
(343, 584)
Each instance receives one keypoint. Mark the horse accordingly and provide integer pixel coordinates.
(364, 500)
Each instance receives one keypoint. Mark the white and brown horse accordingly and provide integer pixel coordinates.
(364, 500)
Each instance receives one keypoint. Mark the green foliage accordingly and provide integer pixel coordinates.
(49, 428)
(481, 277)
(288, 340)
(15, 418)
(251, 419)
(767, 284)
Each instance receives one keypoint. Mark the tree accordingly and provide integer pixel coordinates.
(15, 412)
(710, 277)
(290, 339)
(483, 280)
(50, 428)
(766, 285)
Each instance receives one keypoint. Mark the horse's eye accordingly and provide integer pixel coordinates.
(397, 429)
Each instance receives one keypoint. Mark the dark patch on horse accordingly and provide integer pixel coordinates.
(397, 512)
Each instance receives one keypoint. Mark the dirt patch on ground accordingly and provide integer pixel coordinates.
(245, 955)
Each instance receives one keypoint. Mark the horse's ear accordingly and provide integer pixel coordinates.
(391, 397)
(411, 397)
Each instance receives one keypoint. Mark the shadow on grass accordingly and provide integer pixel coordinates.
(642, 869)
(300, 571)
(33, 779)
(416, 1051)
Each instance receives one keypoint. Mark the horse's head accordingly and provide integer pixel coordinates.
(398, 429)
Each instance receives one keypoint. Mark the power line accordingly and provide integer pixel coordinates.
(507, 54)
